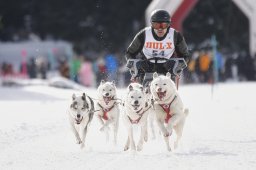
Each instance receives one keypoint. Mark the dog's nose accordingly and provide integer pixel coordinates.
(160, 89)
(78, 116)
(107, 94)
(136, 102)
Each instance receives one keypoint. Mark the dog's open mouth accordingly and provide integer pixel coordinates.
(107, 99)
(135, 107)
(161, 95)
(78, 121)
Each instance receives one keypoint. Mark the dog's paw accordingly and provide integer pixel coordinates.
(175, 145)
(126, 148)
(133, 147)
(146, 137)
(167, 134)
(139, 147)
(169, 149)
(78, 141)
(82, 145)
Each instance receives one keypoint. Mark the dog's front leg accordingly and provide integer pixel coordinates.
(165, 133)
(162, 128)
(84, 132)
(142, 136)
(78, 139)
(105, 125)
(176, 118)
(100, 120)
(115, 126)
(127, 145)
(130, 132)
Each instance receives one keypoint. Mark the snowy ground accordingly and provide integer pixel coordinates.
(220, 132)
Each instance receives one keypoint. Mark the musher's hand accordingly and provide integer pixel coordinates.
(179, 68)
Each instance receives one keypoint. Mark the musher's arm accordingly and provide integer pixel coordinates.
(136, 46)
(181, 47)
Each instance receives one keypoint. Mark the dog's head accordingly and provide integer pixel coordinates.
(79, 108)
(134, 86)
(107, 91)
(162, 87)
(136, 98)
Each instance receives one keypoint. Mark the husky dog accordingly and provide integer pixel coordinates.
(80, 115)
(151, 114)
(107, 108)
(136, 112)
(169, 109)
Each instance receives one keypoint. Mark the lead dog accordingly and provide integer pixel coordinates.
(107, 108)
(80, 115)
(136, 112)
(169, 109)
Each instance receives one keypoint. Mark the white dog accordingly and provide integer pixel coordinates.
(136, 112)
(169, 109)
(107, 108)
(80, 115)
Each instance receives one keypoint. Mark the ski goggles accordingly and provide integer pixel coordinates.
(158, 25)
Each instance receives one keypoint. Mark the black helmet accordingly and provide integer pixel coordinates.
(160, 15)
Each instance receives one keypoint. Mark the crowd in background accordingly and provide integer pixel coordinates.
(89, 72)
(228, 67)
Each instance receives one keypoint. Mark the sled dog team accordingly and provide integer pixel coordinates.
(141, 105)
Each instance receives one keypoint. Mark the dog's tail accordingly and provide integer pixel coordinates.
(186, 111)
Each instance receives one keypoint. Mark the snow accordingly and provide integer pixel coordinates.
(220, 132)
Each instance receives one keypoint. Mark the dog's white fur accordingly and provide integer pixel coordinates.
(165, 92)
(151, 114)
(107, 103)
(80, 115)
(136, 111)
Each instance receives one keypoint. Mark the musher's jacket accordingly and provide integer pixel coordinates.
(171, 44)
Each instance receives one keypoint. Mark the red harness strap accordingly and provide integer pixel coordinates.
(137, 120)
(166, 108)
(105, 111)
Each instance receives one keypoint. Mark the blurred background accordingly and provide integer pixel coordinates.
(85, 40)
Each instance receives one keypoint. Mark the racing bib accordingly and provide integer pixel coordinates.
(162, 49)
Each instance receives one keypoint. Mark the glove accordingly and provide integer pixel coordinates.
(179, 68)
(130, 63)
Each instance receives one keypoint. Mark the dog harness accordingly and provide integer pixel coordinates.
(105, 111)
(166, 108)
(138, 120)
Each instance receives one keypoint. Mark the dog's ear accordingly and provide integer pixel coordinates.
(130, 87)
(141, 88)
(83, 96)
(155, 75)
(113, 82)
(168, 74)
(73, 96)
(102, 82)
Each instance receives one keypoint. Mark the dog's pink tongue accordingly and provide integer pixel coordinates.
(107, 99)
(161, 95)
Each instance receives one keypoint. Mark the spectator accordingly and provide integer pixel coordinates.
(64, 69)
(31, 67)
(86, 74)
